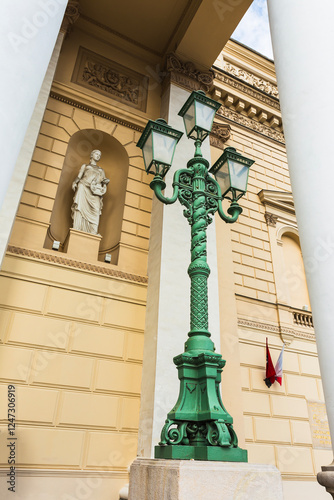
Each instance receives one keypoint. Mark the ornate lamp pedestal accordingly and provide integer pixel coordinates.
(198, 427)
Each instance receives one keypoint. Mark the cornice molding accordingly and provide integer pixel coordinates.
(280, 200)
(250, 124)
(246, 88)
(93, 110)
(282, 331)
(75, 264)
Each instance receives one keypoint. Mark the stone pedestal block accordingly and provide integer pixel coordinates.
(82, 246)
(154, 479)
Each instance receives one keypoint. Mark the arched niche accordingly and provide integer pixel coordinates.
(115, 163)
(287, 230)
(294, 272)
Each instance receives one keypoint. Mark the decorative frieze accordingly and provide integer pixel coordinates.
(258, 325)
(220, 133)
(110, 79)
(187, 75)
(285, 332)
(58, 259)
(251, 79)
(251, 124)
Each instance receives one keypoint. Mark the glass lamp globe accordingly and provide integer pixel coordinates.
(231, 171)
(198, 113)
(158, 142)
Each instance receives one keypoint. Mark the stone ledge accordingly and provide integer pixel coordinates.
(157, 479)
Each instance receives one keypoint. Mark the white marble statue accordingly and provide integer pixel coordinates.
(89, 187)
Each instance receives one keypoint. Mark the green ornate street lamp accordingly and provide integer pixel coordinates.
(198, 427)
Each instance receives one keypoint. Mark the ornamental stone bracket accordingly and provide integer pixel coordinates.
(220, 134)
(271, 219)
(186, 75)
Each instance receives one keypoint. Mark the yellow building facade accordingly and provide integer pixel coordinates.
(73, 325)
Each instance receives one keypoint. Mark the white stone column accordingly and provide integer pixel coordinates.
(168, 302)
(303, 43)
(29, 50)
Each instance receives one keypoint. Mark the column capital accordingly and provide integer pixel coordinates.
(186, 75)
(71, 15)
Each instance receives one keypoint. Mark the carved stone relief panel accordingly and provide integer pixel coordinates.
(110, 79)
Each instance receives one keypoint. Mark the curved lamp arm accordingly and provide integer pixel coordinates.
(158, 185)
(234, 210)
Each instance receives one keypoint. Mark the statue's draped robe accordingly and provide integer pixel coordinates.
(87, 202)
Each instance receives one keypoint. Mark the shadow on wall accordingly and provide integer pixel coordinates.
(115, 163)
(294, 276)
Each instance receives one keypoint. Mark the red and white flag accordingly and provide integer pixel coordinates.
(279, 367)
(270, 370)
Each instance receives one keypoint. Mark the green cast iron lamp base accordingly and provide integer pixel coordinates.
(199, 427)
(214, 453)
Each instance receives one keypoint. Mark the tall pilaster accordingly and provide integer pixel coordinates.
(303, 43)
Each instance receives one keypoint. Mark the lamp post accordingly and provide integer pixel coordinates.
(198, 426)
